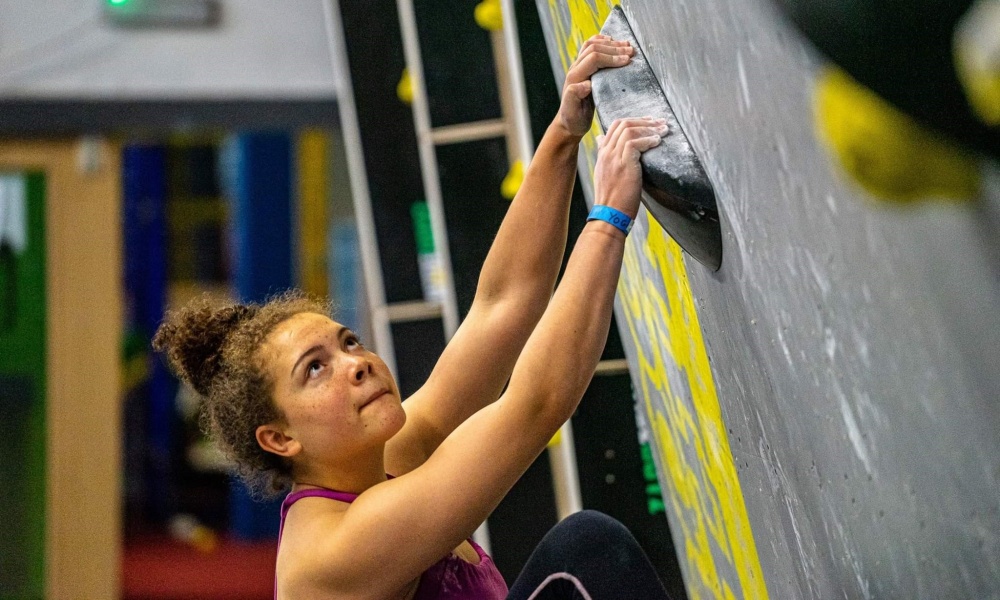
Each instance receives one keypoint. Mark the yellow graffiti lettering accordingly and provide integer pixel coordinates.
(706, 498)
(674, 382)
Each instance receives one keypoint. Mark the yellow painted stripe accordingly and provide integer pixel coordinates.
(675, 383)
(682, 407)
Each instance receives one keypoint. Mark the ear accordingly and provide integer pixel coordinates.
(274, 439)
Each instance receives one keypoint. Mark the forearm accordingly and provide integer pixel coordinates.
(524, 260)
(516, 281)
(515, 286)
(559, 358)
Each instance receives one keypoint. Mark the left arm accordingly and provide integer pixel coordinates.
(517, 278)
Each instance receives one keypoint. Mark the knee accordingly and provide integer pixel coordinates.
(600, 552)
(595, 534)
(594, 524)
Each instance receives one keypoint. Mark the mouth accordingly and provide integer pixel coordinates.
(378, 394)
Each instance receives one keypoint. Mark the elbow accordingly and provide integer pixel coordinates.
(547, 410)
(558, 412)
(514, 314)
(522, 299)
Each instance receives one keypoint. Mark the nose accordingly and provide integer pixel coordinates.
(361, 369)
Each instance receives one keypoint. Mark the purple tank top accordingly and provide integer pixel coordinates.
(450, 578)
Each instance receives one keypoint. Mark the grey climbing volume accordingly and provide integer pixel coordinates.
(676, 190)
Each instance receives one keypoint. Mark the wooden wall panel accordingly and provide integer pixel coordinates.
(83, 541)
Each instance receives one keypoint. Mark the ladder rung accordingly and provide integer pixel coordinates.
(469, 132)
(618, 366)
(417, 310)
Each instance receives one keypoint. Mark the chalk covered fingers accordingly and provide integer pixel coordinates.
(599, 52)
(618, 174)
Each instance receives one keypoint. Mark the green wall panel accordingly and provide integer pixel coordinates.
(22, 404)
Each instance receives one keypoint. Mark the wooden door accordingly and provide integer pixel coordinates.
(83, 320)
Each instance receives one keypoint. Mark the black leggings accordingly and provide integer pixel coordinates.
(588, 556)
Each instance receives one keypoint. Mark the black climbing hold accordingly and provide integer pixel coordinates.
(677, 191)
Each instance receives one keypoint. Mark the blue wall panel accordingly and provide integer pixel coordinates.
(258, 172)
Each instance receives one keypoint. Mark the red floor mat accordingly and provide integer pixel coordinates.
(159, 568)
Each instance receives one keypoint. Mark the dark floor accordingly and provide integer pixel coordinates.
(156, 567)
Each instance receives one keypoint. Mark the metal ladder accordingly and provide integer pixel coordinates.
(515, 126)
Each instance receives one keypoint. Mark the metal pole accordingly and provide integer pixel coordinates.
(371, 264)
(562, 456)
(522, 120)
(428, 160)
(432, 182)
(565, 478)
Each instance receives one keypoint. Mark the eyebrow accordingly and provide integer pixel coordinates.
(314, 349)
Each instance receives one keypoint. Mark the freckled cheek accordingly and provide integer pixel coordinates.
(323, 420)
(314, 409)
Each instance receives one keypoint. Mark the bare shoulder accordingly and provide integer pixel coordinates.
(308, 553)
(319, 559)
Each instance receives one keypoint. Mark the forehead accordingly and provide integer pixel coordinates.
(301, 329)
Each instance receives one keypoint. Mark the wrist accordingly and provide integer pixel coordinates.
(604, 229)
(630, 212)
(562, 132)
(612, 216)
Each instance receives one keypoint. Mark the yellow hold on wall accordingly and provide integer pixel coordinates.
(977, 59)
(489, 15)
(404, 89)
(886, 151)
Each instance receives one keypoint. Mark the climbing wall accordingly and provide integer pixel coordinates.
(825, 407)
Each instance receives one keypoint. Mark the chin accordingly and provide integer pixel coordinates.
(400, 419)
(392, 418)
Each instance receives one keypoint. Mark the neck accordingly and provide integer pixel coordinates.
(354, 475)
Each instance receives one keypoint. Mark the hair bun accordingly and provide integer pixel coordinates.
(194, 337)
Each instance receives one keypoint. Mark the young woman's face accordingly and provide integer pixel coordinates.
(338, 398)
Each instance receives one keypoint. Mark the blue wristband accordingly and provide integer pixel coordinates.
(611, 215)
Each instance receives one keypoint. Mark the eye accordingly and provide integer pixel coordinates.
(313, 370)
(352, 341)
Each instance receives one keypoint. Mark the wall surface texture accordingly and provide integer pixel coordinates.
(260, 49)
(825, 406)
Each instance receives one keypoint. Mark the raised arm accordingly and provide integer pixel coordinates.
(517, 278)
(430, 510)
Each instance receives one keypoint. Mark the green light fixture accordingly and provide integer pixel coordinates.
(146, 14)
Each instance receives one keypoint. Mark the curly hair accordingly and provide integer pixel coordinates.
(215, 349)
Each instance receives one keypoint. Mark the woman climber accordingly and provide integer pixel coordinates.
(385, 494)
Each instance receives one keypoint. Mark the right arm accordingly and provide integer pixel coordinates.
(429, 511)
(517, 278)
